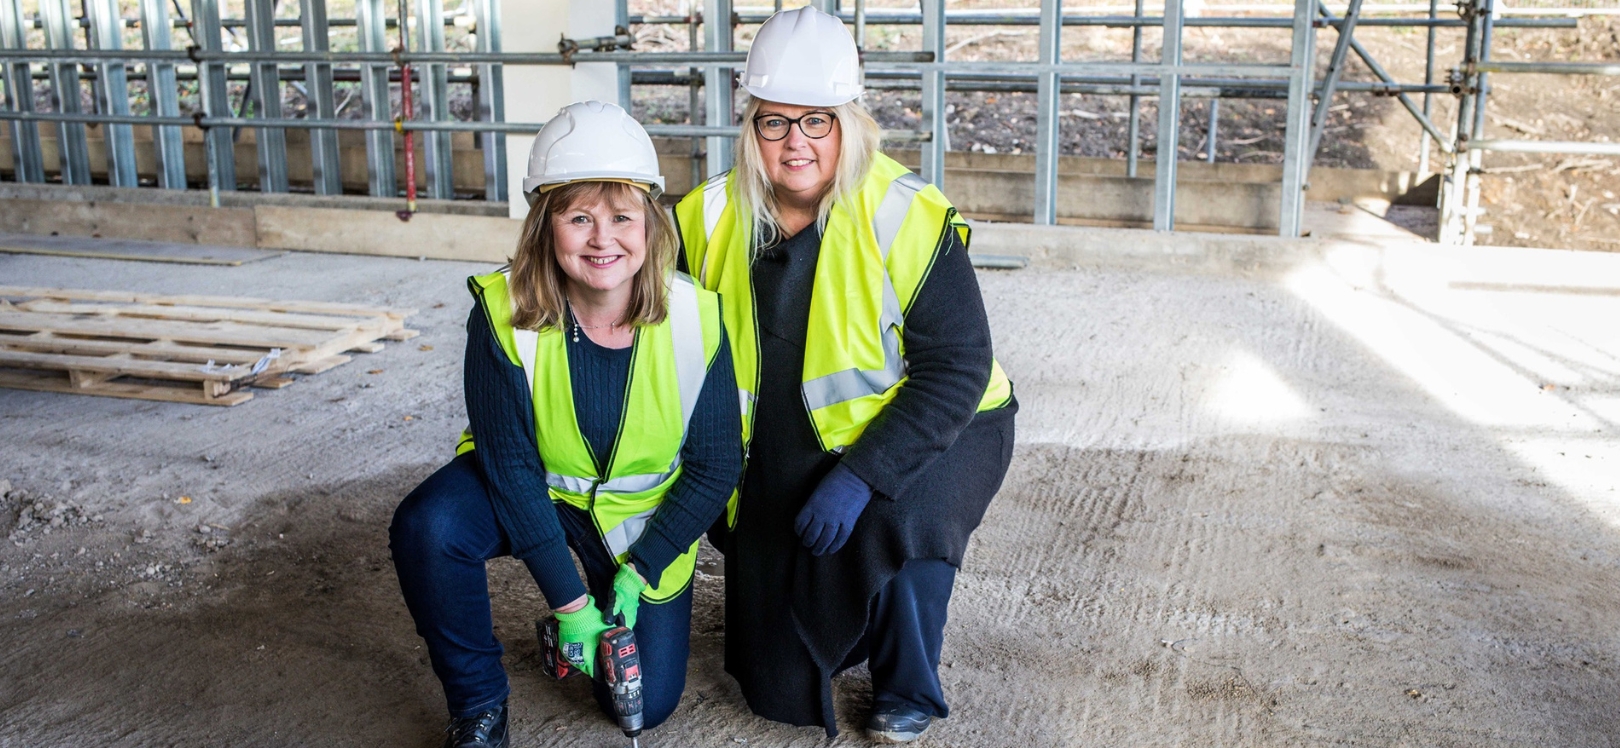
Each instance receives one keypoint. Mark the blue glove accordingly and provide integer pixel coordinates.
(829, 516)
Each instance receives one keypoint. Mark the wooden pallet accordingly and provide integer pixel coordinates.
(189, 349)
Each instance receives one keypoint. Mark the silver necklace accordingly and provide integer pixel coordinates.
(578, 326)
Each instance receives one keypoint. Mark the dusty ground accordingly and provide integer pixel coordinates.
(1335, 494)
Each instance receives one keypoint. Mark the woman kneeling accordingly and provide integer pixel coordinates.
(603, 408)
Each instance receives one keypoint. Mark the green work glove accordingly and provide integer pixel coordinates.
(627, 587)
(579, 631)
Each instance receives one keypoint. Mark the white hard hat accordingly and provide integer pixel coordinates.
(591, 140)
(803, 57)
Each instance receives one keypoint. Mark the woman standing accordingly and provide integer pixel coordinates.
(602, 402)
(879, 425)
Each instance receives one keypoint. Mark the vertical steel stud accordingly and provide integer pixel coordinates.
(1164, 178)
(323, 144)
(66, 93)
(1134, 125)
(272, 141)
(106, 32)
(1297, 131)
(933, 93)
(28, 163)
(164, 93)
(1428, 80)
(621, 20)
(435, 91)
(1047, 130)
(373, 25)
(216, 99)
(717, 95)
(1214, 129)
(491, 97)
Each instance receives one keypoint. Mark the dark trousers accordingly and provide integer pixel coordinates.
(905, 630)
(442, 534)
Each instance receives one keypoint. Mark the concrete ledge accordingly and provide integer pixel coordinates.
(427, 235)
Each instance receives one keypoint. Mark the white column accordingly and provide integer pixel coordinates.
(534, 93)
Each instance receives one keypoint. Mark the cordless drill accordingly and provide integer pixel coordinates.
(618, 665)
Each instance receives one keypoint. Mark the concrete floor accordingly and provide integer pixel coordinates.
(1347, 491)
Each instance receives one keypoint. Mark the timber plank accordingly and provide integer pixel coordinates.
(237, 302)
(215, 333)
(120, 366)
(52, 383)
(207, 314)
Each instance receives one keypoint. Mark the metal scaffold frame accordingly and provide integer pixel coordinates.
(423, 64)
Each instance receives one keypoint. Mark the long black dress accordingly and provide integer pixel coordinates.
(934, 465)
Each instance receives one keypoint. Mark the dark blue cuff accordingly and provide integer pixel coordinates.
(552, 567)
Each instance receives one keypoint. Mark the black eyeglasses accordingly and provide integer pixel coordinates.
(815, 125)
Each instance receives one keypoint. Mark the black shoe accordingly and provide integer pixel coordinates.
(896, 724)
(486, 729)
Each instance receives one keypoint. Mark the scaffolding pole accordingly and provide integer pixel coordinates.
(1297, 132)
(1164, 159)
(1047, 132)
(28, 163)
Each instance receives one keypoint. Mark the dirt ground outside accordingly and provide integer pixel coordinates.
(1329, 494)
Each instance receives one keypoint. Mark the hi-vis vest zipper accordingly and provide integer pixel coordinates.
(668, 366)
(875, 255)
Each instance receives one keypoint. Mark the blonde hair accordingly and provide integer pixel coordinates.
(860, 137)
(538, 285)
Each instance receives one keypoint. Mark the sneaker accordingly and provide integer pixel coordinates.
(896, 724)
(486, 729)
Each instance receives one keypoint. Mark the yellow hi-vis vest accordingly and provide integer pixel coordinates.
(668, 365)
(875, 254)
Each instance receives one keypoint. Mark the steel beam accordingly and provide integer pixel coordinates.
(1164, 178)
(1214, 129)
(219, 150)
(1428, 80)
(717, 95)
(323, 144)
(933, 93)
(66, 93)
(1047, 131)
(266, 83)
(1297, 133)
(491, 96)
(1330, 81)
(105, 31)
(163, 91)
(1544, 146)
(28, 163)
(621, 20)
(435, 91)
(1134, 125)
(374, 87)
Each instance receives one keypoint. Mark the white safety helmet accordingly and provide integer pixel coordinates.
(803, 57)
(591, 140)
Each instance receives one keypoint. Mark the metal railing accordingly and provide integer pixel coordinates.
(89, 48)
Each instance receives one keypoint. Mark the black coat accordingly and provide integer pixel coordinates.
(934, 464)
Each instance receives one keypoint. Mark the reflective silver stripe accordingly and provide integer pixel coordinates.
(686, 328)
(621, 484)
(714, 202)
(527, 342)
(849, 384)
(620, 538)
(745, 401)
(891, 213)
(570, 483)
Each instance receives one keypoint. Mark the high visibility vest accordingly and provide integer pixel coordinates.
(668, 365)
(875, 254)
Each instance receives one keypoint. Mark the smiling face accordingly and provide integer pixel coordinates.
(800, 168)
(600, 246)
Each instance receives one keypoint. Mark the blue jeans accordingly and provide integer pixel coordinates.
(442, 534)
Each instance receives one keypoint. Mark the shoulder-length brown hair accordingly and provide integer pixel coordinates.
(538, 285)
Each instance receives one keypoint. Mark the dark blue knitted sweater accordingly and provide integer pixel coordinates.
(501, 413)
